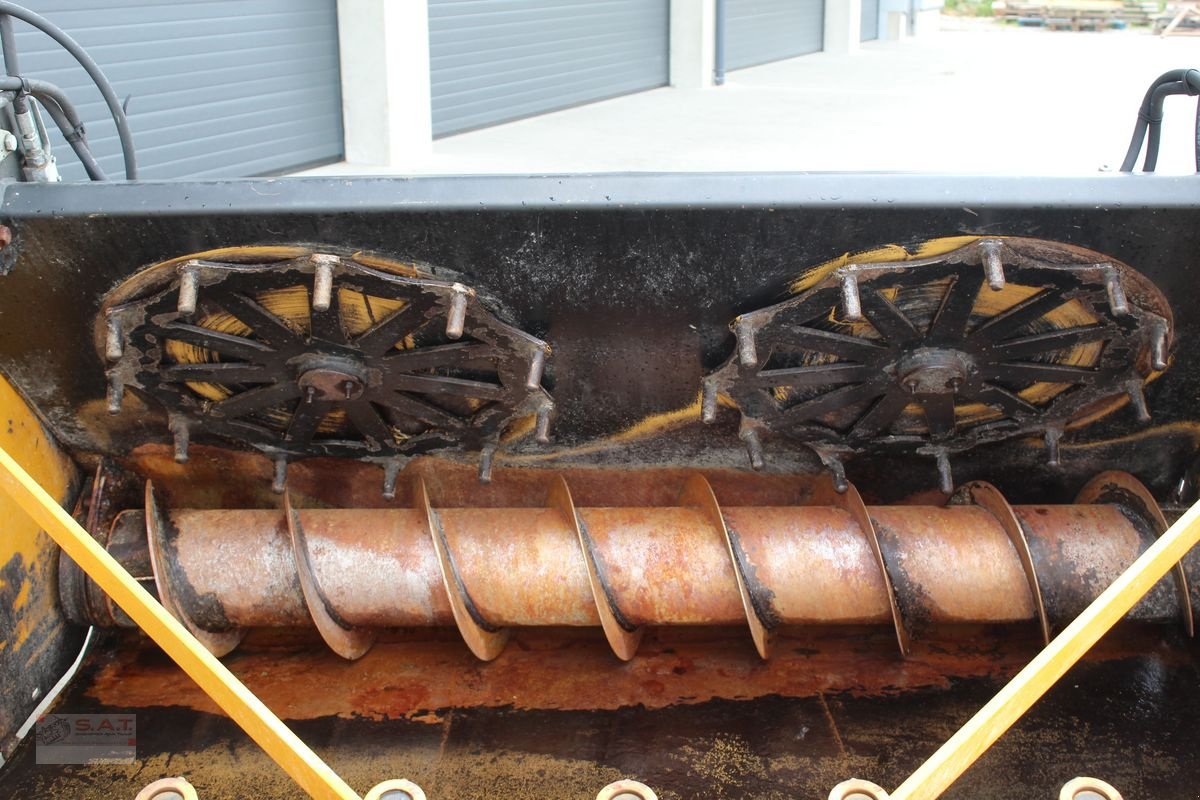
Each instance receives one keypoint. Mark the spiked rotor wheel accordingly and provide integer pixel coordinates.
(1000, 338)
(324, 355)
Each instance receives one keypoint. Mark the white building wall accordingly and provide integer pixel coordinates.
(385, 64)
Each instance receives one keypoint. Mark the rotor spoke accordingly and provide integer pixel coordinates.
(223, 343)
(817, 375)
(266, 326)
(305, 420)
(446, 355)
(1025, 371)
(383, 336)
(890, 321)
(939, 413)
(438, 385)
(838, 344)
(418, 409)
(256, 399)
(1060, 339)
(218, 372)
(838, 398)
(366, 419)
(327, 325)
(1010, 403)
(1018, 316)
(882, 414)
(951, 320)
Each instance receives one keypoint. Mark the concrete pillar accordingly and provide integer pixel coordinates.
(385, 80)
(693, 39)
(843, 25)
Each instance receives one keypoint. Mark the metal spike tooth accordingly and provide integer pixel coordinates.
(747, 348)
(280, 482)
(945, 474)
(708, 401)
(754, 447)
(851, 301)
(542, 428)
(323, 281)
(189, 291)
(993, 266)
(837, 471)
(114, 344)
(1158, 346)
(391, 471)
(1116, 292)
(116, 393)
(1137, 396)
(1052, 437)
(485, 463)
(456, 319)
(182, 432)
(533, 381)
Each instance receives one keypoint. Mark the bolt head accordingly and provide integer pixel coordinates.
(934, 371)
(331, 384)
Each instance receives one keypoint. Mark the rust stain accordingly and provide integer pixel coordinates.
(319, 482)
(549, 669)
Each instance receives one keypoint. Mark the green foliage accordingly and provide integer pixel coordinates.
(969, 8)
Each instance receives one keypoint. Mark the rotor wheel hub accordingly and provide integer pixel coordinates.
(330, 384)
(934, 371)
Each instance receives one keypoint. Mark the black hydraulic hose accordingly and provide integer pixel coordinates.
(1189, 84)
(1143, 121)
(1192, 79)
(1135, 145)
(1155, 118)
(60, 109)
(54, 100)
(84, 153)
(73, 133)
(93, 70)
(43, 90)
(76, 140)
(8, 40)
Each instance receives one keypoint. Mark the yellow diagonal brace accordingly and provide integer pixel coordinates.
(989, 724)
(296, 759)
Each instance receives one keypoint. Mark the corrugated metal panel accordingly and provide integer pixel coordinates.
(219, 88)
(870, 20)
(758, 31)
(498, 60)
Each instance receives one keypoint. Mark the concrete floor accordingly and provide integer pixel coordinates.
(974, 97)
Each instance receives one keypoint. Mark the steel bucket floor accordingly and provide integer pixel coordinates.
(696, 714)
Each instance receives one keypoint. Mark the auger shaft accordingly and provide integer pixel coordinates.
(355, 570)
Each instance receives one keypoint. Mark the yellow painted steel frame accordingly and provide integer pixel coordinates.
(1010, 703)
(22, 538)
(287, 750)
(39, 642)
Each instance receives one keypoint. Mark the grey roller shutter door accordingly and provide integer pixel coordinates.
(758, 31)
(497, 60)
(220, 88)
(870, 20)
